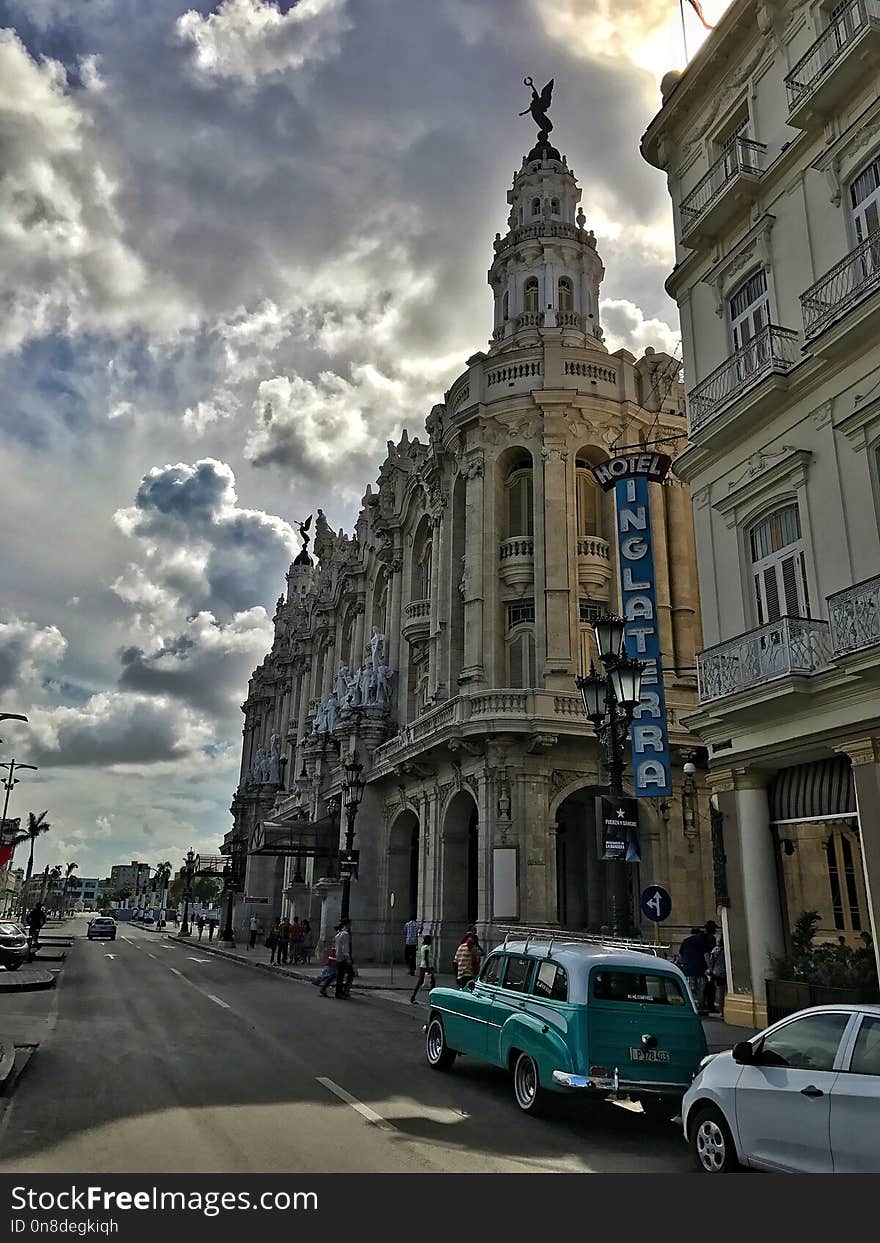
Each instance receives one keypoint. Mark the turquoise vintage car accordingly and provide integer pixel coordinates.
(567, 1016)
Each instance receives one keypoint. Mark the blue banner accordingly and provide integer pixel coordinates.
(652, 770)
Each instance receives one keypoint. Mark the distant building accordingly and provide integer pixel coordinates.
(82, 892)
(132, 876)
(11, 880)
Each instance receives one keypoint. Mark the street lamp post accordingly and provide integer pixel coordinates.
(12, 780)
(229, 893)
(352, 795)
(188, 869)
(610, 704)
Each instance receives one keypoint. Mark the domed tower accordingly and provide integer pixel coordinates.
(546, 272)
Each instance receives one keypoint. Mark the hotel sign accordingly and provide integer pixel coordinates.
(652, 770)
(651, 466)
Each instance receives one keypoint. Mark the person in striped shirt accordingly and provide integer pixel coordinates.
(466, 962)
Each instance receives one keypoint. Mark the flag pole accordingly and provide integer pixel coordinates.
(683, 30)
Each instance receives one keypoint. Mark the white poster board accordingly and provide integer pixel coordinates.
(505, 903)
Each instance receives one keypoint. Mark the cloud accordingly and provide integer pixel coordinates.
(248, 40)
(117, 728)
(27, 652)
(64, 254)
(200, 548)
(626, 327)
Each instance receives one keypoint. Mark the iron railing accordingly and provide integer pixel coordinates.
(773, 349)
(790, 645)
(847, 25)
(835, 293)
(854, 615)
(741, 156)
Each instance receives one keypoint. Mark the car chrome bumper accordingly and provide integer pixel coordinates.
(568, 1080)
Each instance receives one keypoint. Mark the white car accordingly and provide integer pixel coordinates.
(801, 1097)
(101, 926)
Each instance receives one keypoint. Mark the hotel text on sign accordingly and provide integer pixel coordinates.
(650, 744)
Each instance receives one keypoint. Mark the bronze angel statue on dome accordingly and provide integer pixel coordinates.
(538, 107)
(303, 531)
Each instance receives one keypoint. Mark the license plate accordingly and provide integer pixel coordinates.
(648, 1055)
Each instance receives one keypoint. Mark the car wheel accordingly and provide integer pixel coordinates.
(13, 964)
(530, 1096)
(661, 1108)
(712, 1143)
(437, 1051)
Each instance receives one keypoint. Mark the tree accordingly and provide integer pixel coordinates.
(71, 867)
(35, 826)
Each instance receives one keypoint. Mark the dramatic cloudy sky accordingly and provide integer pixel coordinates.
(211, 213)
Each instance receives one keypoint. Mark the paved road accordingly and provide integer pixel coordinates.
(155, 1058)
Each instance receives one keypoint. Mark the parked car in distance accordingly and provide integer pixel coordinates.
(101, 926)
(803, 1096)
(570, 1016)
(14, 948)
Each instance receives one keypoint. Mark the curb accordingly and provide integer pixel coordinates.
(7, 1064)
(33, 984)
(271, 969)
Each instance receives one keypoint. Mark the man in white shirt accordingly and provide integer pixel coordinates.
(411, 930)
(254, 929)
(344, 969)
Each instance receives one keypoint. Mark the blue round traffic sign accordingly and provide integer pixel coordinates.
(656, 903)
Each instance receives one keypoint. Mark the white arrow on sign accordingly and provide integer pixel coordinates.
(109, 955)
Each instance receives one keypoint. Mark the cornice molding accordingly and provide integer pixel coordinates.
(764, 473)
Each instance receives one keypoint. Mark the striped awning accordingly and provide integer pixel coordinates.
(823, 790)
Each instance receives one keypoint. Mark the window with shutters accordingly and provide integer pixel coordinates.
(779, 569)
(530, 294)
(589, 501)
(749, 311)
(520, 506)
(565, 299)
(864, 196)
(521, 658)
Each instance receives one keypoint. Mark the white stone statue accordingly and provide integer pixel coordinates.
(331, 711)
(319, 724)
(256, 776)
(377, 647)
(343, 675)
(366, 685)
(384, 678)
(352, 692)
(274, 761)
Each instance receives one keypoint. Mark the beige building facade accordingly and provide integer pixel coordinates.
(771, 145)
(440, 641)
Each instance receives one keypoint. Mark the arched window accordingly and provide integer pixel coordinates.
(554, 206)
(779, 570)
(536, 207)
(864, 195)
(505, 305)
(589, 501)
(530, 294)
(565, 295)
(520, 644)
(420, 587)
(520, 506)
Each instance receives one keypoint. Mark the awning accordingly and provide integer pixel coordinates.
(823, 790)
(296, 837)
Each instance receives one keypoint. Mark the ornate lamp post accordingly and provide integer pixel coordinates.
(610, 704)
(229, 894)
(189, 867)
(351, 797)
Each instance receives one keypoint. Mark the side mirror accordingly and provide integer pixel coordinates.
(744, 1053)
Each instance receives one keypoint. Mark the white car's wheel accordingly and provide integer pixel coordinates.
(712, 1142)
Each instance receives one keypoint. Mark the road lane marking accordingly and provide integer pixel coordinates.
(174, 971)
(153, 956)
(190, 957)
(357, 1106)
(109, 955)
(211, 997)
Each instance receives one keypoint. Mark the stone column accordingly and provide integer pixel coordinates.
(302, 713)
(438, 579)
(393, 643)
(472, 669)
(865, 756)
(760, 884)
(329, 671)
(558, 668)
(663, 571)
(357, 651)
(683, 577)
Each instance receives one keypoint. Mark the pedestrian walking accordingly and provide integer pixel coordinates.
(296, 933)
(328, 972)
(201, 925)
(692, 954)
(718, 975)
(35, 921)
(272, 943)
(411, 930)
(709, 929)
(426, 965)
(477, 950)
(465, 961)
(212, 924)
(308, 942)
(283, 941)
(254, 928)
(342, 952)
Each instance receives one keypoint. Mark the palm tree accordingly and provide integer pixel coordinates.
(162, 878)
(35, 826)
(70, 868)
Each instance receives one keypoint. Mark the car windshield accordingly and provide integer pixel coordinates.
(102, 921)
(639, 987)
(10, 930)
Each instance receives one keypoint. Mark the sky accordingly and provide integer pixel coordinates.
(242, 245)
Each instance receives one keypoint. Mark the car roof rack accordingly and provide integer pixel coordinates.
(513, 932)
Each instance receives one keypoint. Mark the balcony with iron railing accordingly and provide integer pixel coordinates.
(835, 63)
(854, 615)
(772, 352)
(847, 286)
(719, 196)
(791, 646)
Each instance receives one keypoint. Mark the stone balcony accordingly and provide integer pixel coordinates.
(843, 56)
(721, 195)
(516, 561)
(854, 616)
(594, 566)
(416, 620)
(791, 647)
(844, 304)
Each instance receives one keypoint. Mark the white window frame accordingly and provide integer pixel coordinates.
(746, 317)
(785, 568)
(861, 212)
(523, 637)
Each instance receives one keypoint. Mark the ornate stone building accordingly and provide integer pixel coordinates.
(440, 641)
